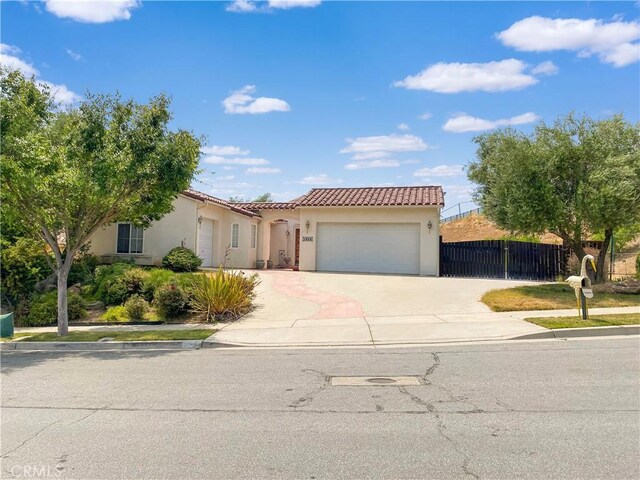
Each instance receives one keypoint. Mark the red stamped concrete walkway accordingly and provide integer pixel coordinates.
(332, 305)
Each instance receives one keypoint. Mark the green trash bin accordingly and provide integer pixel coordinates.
(6, 325)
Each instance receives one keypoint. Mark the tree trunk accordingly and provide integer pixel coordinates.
(601, 275)
(63, 314)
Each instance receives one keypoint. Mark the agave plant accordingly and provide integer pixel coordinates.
(224, 293)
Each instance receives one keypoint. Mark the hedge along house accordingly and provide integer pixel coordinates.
(368, 230)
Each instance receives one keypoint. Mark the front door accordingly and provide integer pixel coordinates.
(297, 257)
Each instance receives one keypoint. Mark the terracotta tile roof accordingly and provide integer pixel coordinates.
(208, 198)
(373, 197)
(254, 206)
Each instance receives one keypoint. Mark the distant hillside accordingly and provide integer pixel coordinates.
(478, 227)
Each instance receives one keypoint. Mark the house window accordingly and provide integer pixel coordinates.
(235, 234)
(254, 235)
(129, 238)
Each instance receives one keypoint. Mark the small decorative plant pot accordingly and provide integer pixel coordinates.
(269, 264)
(259, 264)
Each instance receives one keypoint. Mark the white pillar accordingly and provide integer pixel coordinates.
(265, 231)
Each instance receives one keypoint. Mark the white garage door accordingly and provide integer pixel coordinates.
(368, 247)
(205, 242)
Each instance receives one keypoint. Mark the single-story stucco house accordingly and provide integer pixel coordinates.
(372, 230)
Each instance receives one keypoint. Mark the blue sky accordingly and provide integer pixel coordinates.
(295, 94)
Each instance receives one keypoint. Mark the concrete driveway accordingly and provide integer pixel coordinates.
(308, 308)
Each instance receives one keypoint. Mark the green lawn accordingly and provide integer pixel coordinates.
(550, 297)
(596, 321)
(120, 336)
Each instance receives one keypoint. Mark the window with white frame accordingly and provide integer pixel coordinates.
(235, 235)
(254, 235)
(129, 238)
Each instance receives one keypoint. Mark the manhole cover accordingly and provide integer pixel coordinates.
(381, 380)
(375, 381)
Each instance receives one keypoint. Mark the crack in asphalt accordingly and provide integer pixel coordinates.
(5, 455)
(308, 398)
(274, 410)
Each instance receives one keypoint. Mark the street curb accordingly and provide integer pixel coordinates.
(101, 346)
(583, 332)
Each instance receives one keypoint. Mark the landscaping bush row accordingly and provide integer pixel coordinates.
(227, 294)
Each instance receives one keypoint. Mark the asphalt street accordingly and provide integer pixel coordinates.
(545, 409)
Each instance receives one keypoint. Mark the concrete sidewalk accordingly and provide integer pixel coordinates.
(391, 330)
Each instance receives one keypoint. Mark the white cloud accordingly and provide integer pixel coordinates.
(369, 155)
(249, 6)
(8, 58)
(92, 11)
(241, 102)
(219, 160)
(403, 126)
(384, 163)
(226, 178)
(440, 171)
(371, 152)
(425, 116)
(223, 150)
(284, 4)
(266, 170)
(459, 192)
(385, 143)
(241, 6)
(75, 55)
(469, 77)
(613, 42)
(545, 68)
(321, 179)
(466, 123)
(61, 93)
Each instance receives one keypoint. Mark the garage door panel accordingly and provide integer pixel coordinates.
(368, 247)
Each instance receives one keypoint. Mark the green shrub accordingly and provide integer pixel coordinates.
(23, 264)
(638, 267)
(155, 278)
(43, 309)
(116, 313)
(105, 277)
(181, 259)
(171, 300)
(117, 282)
(225, 293)
(136, 307)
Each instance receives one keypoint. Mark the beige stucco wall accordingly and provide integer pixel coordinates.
(272, 237)
(175, 227)
(181, 227)
(429, 240)
(242, 257)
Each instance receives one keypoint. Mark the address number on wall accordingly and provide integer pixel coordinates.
(307, 238)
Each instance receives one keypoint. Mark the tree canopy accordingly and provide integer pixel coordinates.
(576, 177)
(66, 173)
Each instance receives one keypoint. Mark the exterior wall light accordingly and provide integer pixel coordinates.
(200, 220)
(307, 224)
(429, 226)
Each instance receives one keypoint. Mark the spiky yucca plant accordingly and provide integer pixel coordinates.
(223, 294)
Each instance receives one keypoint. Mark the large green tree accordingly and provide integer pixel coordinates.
(66, 173)
(576, 177)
